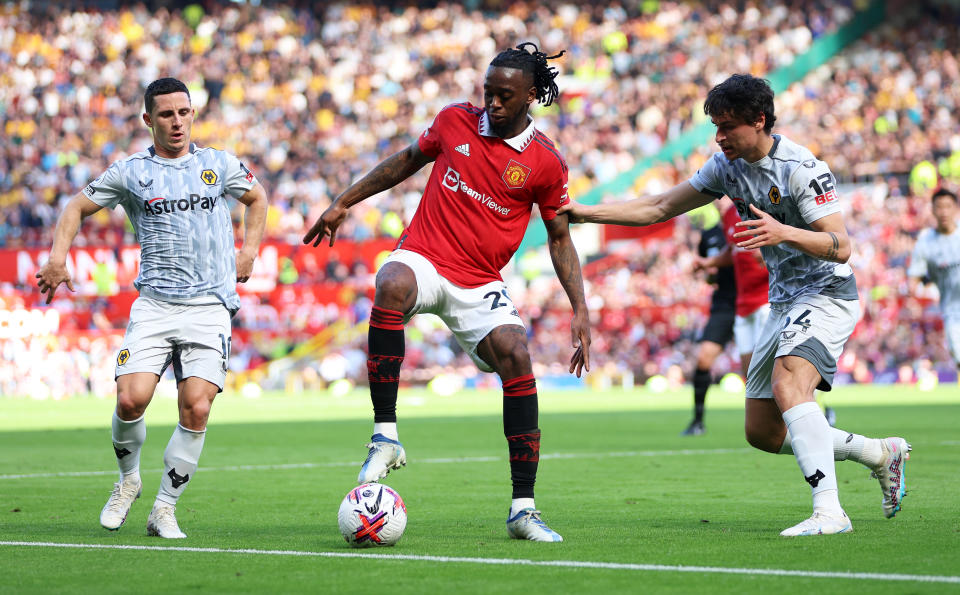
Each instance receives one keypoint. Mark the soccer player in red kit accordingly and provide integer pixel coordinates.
(492, 164)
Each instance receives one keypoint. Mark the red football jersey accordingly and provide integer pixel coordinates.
(477, 203)
(751, 276)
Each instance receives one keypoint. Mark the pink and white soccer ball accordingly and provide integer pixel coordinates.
(371, 515)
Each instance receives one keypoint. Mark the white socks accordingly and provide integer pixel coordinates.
(519, 504)
(128, 438)
(812, 445)
(388, 429)
(846, 445)
(179, 463)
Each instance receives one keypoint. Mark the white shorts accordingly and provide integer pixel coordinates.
(815, 327)
(747, 329)
(195, 339)
(951, 328)
(470, 314)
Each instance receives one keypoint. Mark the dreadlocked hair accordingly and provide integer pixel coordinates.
(534, 63)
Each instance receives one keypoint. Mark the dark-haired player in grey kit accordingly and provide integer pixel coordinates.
(789, 209)
(175, 195)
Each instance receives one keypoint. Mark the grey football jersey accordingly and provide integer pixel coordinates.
(795, 188)
(179, 212)
(937, 256)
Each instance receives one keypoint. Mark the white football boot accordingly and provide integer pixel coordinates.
(527, 524)
(892, 474)
(163, 523)
(820, 523)
(385, 454)
(115, 511)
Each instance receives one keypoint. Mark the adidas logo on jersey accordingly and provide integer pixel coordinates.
(464, 148)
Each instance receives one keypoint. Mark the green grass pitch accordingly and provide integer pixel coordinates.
(640, 508)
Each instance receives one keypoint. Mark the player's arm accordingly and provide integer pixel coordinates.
(828, 240)
(387, 174)
(254, 222)
(645, 210)
(724, 258)
(54, 271)
(566, 263)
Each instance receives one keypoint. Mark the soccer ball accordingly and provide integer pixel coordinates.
(372, 514)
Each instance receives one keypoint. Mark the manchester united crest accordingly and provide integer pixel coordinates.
(516, 174)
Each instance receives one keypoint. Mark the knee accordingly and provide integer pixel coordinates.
(129, 407)
(515, 360)
(396, 288)
(194, 413)
(763, 440)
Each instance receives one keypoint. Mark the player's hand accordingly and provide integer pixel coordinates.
(580, 334)
(703, 264)
(50, 276)
(757, 233)
(327, 224)
(576, 212)
(244, 266)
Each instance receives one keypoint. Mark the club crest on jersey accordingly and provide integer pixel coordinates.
(123, 356)
(516, 174)
(774, 195)
(209, 177)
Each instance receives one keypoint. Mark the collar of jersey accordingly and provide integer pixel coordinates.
(519, 142)
(176, 160)
(766, 158)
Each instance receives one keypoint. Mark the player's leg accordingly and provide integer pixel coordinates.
(396, 300)
(200, 359)
(182, 455)
(143, 356)
(951, 328)
(505, 350)
(134, 392)
(707, 352)
(717, 332)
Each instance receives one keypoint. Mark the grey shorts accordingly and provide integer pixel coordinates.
(195, 339)
(814, 327)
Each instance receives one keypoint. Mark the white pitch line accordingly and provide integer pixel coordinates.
(282, 466)
(873, 576)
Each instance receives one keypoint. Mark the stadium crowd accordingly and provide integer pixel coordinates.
(311, 100)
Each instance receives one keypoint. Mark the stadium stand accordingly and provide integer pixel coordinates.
(306, 98)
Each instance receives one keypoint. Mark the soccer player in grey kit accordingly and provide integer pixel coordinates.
(175, 195)
(790, 210)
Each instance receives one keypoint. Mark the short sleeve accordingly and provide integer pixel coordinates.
(429, 140)
(813, 190)
(918, 260)
(708, 178)
(108, 189)
(555, 193)
(237, 179)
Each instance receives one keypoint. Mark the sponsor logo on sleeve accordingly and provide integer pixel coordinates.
(249, 177)
(828, 196)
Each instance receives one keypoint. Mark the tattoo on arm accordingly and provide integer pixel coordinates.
(834, 248)
(567, 265)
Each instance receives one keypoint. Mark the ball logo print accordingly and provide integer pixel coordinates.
(372, 515)
(515, 176)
